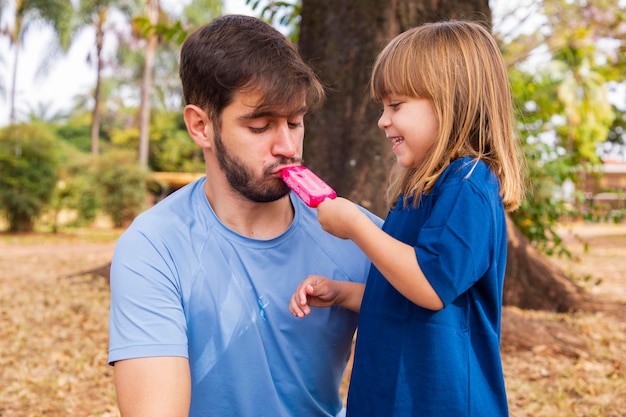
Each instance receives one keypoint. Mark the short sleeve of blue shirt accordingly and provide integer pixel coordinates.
(453, 249)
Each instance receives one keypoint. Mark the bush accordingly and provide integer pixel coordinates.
(76, 190)
(76, 134)
(122, 184)
(28, 173)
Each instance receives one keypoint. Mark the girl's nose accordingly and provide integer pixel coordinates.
(383, 120)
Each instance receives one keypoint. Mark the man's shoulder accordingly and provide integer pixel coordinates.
(182, 204)
(172, 218)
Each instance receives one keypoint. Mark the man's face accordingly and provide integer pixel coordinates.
(252, 147)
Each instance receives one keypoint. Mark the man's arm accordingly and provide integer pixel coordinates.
(153, 387)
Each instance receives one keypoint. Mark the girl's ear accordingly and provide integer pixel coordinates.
(199, 126)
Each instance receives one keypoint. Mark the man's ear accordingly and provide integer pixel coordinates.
(199, 125)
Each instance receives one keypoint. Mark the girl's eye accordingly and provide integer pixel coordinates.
(392, 106)
(294, 125)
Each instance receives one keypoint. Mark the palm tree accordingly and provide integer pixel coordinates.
(95, 13)
(3, 90)
(153, 9)
(156, 28)
(54, 13)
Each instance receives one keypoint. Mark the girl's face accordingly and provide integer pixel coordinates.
(412, 127)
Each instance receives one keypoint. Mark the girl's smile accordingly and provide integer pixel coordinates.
(412, 127)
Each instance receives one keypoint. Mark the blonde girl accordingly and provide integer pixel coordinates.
(429, 326)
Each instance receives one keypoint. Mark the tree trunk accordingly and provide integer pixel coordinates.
(342, 143)
(13, 93)
(534, 282)
(341, 39)
(152, 43)
(96, 114)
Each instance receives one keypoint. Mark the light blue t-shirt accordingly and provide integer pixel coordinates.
(183, 284)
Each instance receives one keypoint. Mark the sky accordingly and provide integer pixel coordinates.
(71, 75)
(68, 77)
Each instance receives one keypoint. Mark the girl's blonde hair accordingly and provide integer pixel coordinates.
(458, 66)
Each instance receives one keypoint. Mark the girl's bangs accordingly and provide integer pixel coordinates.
(398, 73)
(387, 78)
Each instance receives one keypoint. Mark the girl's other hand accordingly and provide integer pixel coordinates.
(313, 291)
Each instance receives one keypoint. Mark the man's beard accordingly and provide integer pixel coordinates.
(241, 179)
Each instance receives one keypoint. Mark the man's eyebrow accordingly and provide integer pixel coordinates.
(258, 114)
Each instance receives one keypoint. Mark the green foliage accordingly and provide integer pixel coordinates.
(200, 12)
(125, 137)
(616, 142)
(76, 190)
(564, 114)
(280, 13)
(122, 183)
(173, 32)
(542, 209)
(196, 13)
(57, 13)
(540, 212)
(76, 132)
(28, 173)
(171, 147)
(25, 14)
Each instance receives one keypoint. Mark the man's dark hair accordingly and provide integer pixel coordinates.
(242, 53)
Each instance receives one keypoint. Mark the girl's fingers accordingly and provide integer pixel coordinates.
(306, 291)
(297, 308)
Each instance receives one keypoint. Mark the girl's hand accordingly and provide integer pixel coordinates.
(313, 291)
(339, 217)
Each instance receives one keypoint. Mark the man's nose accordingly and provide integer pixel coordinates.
(286, 141)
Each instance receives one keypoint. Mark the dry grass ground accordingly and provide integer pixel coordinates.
(575, 364)
(53, 331)
(53, 326)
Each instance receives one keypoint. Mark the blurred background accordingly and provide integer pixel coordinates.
(100, 78)
(91, 134)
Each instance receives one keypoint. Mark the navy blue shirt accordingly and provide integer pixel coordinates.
(411, 361)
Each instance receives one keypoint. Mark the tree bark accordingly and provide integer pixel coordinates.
(342, 143)
(96, 114)
(341, 39)
(12, 112)
(534, 282)
(152, 42)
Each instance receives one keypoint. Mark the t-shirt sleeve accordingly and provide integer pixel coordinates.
(453, 248)
(146, 314)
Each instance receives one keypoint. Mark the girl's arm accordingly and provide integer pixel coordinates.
(318, 291)
(394, 259)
